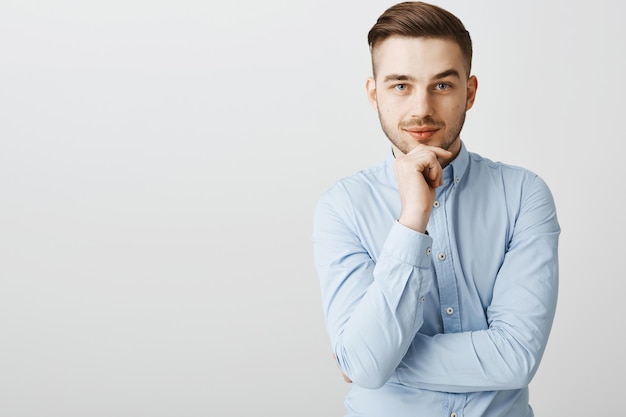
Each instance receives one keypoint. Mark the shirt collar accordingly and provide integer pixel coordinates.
(456, 169)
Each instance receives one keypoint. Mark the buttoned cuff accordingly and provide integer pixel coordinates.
(408, 246)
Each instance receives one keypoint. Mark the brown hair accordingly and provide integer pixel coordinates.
(419, 19)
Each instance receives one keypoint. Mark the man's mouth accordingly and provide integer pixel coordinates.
(422, 133)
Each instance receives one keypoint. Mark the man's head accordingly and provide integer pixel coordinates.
(421, 88)
(421, 20)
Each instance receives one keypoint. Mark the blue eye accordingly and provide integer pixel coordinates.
(442, 86)
(401, 87)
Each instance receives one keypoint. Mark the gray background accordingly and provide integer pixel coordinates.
(159, 165)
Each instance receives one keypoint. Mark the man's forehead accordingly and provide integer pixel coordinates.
(417, 57)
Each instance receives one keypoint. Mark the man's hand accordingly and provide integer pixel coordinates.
(418, 174)
(345, 377)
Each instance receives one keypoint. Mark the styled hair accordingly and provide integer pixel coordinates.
(421, 20)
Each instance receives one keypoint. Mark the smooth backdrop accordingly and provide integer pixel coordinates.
(159, 166)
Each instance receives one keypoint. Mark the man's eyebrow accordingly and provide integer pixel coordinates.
(451, 72)
(398, 77)
(401, 77)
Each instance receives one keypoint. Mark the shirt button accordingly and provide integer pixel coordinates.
(428, 251)
(453, 415)
(449, 310)
(456, 179)
(436, 204)
(442, 256)
(423, 299)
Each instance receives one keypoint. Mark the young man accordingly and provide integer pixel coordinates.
(438, 267)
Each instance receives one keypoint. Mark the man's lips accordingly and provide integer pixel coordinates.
(422, 133)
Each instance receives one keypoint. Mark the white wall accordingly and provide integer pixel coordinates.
(159, 164)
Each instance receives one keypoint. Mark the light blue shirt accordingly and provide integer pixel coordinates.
(451, 323)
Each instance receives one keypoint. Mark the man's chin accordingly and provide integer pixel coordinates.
(412, 144)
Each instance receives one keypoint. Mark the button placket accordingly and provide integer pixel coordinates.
(442, 252)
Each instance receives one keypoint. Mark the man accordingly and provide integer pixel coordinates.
(438, 267)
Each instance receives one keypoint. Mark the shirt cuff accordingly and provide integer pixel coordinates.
(408, 246)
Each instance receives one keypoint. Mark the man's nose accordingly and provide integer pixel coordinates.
(421, 104)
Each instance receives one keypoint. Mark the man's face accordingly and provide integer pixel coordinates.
(421, 92)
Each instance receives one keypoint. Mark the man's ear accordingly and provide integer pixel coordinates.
(472, 86)
(370, 86)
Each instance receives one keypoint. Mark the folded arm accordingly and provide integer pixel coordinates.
(507, 354)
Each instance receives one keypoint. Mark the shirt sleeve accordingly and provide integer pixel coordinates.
(506, 355)
(373, 310)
